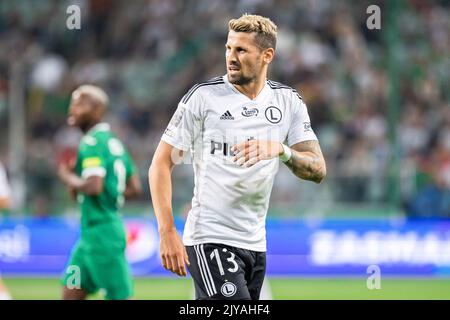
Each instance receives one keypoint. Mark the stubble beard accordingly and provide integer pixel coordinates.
(240, 80)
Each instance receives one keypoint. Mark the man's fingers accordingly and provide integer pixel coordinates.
(178, 265)
(242, 145)
(239, 146)
(245, 154)
(239, 155)
(240, 161)
(186, 257)
(164, 262)
(252, 155)
(241, 152)
(252, 161)
(243, 161)
(181, 267)
(253, 148)
(174, 263)
(169, 264)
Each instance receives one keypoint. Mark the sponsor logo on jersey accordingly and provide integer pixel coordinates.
(227, 116)
(228, 289)
(221, 148)
(169, 132)
(307, 126)
(175, 121)
(273, 114)
(253, 112)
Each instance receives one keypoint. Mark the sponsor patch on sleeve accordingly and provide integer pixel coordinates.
(91, 162)
(176, 118)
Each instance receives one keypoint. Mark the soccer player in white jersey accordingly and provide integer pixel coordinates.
(237, 127)
(5, 196)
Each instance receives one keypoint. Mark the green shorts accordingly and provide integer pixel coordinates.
(98, 262)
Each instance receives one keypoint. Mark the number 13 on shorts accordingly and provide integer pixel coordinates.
(216, 254)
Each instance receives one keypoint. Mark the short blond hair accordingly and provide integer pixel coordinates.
(95, 94)
(266, 30)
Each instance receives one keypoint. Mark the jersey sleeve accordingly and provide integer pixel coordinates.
(300, 129)
(185, 124)
(92, 158)
(5, 191)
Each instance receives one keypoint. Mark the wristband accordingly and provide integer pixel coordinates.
(287, 153)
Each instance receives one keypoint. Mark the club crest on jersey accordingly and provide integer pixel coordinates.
(253, 112)
(228, 289)
(273, 114)
(227, 116)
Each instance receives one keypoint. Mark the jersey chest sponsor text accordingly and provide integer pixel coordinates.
(222, 148)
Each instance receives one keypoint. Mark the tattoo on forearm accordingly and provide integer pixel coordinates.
(307, 161)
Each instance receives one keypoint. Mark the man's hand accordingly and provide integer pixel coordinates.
(248, 153)
(173, 253)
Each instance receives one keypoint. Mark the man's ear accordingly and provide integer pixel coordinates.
(99, 111)
(268, 55)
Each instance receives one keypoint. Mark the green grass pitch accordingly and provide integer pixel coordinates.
(281, 288)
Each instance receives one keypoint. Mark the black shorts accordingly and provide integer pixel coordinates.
(224, 272)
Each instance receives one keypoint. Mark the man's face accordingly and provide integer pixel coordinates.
(80, 112)
(243, 57)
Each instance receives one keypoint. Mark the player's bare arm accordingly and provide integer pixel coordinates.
(92, 185)
(71, 190)
(306, 162)
(133, 187)
(172, 251)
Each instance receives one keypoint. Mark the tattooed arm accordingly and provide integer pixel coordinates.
(307, 161)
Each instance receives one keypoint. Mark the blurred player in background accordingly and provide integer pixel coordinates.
(102, 177)
(5, 203)
(237, 126)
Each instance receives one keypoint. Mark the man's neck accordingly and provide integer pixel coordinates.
(253, 88)
(87, 128)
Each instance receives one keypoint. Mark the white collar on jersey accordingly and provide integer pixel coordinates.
(101, 126)
(261, 95)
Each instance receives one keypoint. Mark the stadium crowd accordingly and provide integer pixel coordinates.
(147, 54)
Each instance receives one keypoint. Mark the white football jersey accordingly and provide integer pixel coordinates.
(230, 202)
